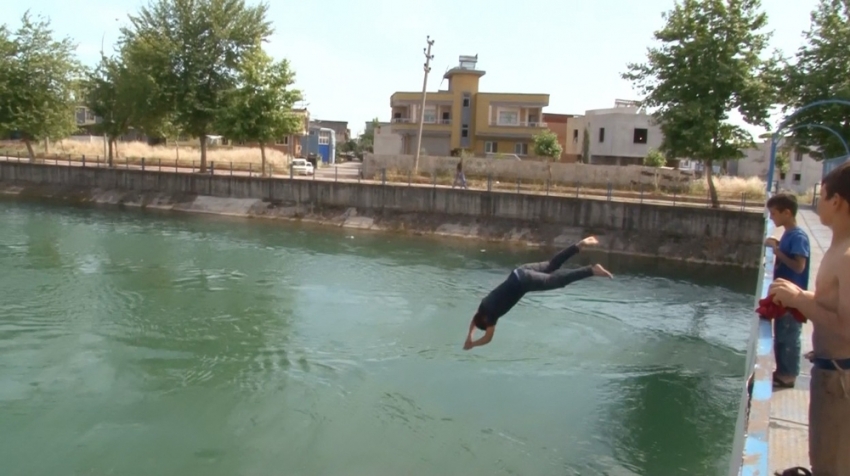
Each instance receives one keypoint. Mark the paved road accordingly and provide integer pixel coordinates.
(344, 171)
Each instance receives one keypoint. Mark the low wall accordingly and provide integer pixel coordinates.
(687, 233)
(509, 169)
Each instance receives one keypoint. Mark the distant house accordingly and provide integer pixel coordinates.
(340, 128)
(322, 142)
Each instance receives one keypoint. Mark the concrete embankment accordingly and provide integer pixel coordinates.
(681, 233)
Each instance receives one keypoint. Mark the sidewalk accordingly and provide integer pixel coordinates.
(788, 434)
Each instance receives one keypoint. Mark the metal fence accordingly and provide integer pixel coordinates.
(750, 451)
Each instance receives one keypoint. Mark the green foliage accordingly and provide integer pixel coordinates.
(39, 82)
(654, 158)
(708, 63)
(783, 164)
(585, 146)
(193, 51)
(260, 108)
(821, 71)
(546, 145)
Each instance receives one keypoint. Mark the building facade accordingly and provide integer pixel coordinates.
(561, 125)
(340, 128)
(464, 119)
(803, 173)
(322, 142)
(622, 135)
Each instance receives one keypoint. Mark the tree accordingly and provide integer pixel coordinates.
(260, 109)
(194, 50)
(39, 82)
(821, 71)
(110, 95)
(585, 146)
(656, 160)
(709, 63)
(546, 145)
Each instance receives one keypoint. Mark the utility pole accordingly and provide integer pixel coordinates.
(428, 58)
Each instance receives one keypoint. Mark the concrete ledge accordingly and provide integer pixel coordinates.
(717, 236)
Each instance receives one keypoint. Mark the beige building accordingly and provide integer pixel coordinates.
(803, 171)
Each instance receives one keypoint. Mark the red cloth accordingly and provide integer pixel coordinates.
(770, 310)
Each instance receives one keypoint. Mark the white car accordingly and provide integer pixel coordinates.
(301, 167)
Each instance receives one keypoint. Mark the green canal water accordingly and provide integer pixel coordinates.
(138, 343)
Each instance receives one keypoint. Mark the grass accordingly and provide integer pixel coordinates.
(242, 158)
(732, 189)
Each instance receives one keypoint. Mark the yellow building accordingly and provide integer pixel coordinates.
(462, 118)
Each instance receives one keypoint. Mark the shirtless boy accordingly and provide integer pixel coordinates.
(531, 277)
(828, 308)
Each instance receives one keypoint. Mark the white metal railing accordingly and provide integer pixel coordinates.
(518, 124)
(408, 120)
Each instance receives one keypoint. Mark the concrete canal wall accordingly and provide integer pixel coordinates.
(681, 233)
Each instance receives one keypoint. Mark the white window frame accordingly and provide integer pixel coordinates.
(282, 141)
(430, 115)
(324, 138)
(491, 147)
(507, 110)
(521, 148)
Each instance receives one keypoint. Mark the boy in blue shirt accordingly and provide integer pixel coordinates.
(793, 255)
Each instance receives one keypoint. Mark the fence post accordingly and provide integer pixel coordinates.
(384, 176)
(576, 188)
(547, 187)
(159, 162)
(641, 194)
(143, 164)
(84, 161)
(409, 177)
(743, 201)
(193, 165)
(97, 161)
(434, 178)
(231, 168)
(126, 162)
(291, 171)
(212, 167)
(69, 160)
(609, 190)
(517, 185)
(674, 196)
(489, 181)
(336, 174)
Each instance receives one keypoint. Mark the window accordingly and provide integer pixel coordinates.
(465, 102)
(447, 117)
(798, 157)
(324, 138)
(282, 141)
(430, 116)
(508, 117)
(491, 147)
(521, 148)
(601, 134)
(640, 136)
(575, 135)
(781, 175)
(464, 131)
(797, 178)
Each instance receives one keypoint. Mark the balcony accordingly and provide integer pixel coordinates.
(535, 124)
(437, 119)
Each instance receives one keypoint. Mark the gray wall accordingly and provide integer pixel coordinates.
(725, 227)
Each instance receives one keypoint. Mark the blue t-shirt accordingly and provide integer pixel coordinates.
(794, 243)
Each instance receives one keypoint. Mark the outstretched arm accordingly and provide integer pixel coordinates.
(484, 340)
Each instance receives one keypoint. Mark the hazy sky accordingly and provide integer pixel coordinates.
(351, 55)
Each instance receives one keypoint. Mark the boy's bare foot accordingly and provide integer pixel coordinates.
(598, 270)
